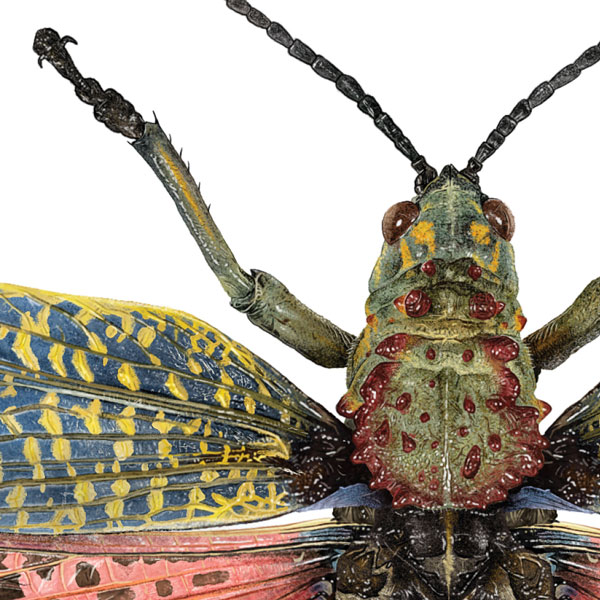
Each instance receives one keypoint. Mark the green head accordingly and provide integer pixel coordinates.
(450, 220)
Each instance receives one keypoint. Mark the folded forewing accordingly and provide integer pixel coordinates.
(116, 416)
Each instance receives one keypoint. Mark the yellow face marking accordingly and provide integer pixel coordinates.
(424, 233)
(128, 377)
(480, 233)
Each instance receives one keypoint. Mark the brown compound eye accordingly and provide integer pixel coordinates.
(397, 220)
(500, 218)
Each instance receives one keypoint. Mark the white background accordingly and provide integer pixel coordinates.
(297, 177)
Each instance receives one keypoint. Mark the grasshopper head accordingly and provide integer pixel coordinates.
(450, 220)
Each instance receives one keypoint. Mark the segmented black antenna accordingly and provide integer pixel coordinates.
(523, 109)
(345, 84)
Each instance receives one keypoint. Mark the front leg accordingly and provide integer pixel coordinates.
(553, 343)
(265, 300)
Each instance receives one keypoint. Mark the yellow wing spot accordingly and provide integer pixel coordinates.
(123, 449)
(191, 427)
(194, 366)
(16, 497)
(146, 336)
(84, 492)
(80, 363)
(3, 332)
(31, 451)
(125, 422)
(38, 324)
(95, 344)
(424, 233)
(249, 405)
(480, 233)
(116, 466)
(158, 482)
(196, 496)
(10, 421)
(111, 331)
(223, 397)
(22, 348)
(22, 519)
(164, 448)
(77, 516)
(90, 416)
(208, 476)
(207, 429)
(55, 356)
(160, 424)
(114, 509)
(99, 468)
(50, 420)
(154, 360)
(8, 392)
(407, 259)
(61, 449)
(128, 377)
(127, 323)
(176, 387)
(120, 487)
(155, 502)
(50, 502)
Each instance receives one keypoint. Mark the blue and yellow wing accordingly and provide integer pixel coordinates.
(117, 416)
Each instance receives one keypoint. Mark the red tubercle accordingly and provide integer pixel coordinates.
(472, 463)
(382, 436)
(435, 444)
(372, 391)
(434, 469)
(521, 322)
(428, 268)
(501, 348)
(431, 383)
(347, 406)
(469, 405)
(475, 272)
(495, 403)
(371, 319)
(463, 431)
(392, 346)
(421, 476)
(416, 303)
(403, 402)
(510, 386)
(467, 355)
(424, 417)
(495, 442)
(546, 409)
(434, 484)
(408, 443)
(430, 354)
(500, 306)
(482, 306)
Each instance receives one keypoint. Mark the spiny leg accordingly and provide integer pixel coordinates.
(553, 343)
(265, 300)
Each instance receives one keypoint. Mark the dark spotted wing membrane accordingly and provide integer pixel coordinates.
(277, 563)
(117, 417)
(574, 553)
(572, 464)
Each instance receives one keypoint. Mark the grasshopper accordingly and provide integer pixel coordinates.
(485, 527)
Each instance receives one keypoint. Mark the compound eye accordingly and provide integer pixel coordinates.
(500, 218)
(397, 220)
